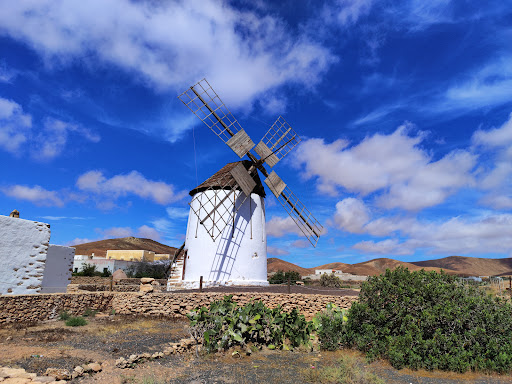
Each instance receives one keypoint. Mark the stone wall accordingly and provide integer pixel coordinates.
(179, 304)
(33, 308)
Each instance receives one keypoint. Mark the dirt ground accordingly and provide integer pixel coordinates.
(106, 338)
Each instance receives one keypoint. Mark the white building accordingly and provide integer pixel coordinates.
(102, 264)
(328, 271)
(238, 256)
(29, 264)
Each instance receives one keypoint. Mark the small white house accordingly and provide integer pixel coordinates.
(328, 271)
(102, 264)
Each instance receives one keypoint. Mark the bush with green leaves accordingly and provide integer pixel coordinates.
(64, 315)
(330, 280)
(156, 270)
(430, 320)
(329, 326)
(281, 277)
(76, 321)
(225, 324)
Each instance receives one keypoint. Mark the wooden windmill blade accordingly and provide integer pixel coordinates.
(225, 192)
(279, 140)
(204, 102)
(307, 223)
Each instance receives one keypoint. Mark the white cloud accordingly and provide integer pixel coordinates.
(393, 165)
(51, 141)
(131, 183)
(489, 233)
(281, 226)
(36, 195)
(147, 232)
(276, 251)
(240, 52)
(15, 126)
(301, 244)
(116, 232)
(351, 215)
(177, 212)
(6, 74)
(496, 137)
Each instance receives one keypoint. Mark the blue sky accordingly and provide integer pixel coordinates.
(404, 108)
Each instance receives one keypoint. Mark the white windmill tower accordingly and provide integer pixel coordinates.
(226, 240)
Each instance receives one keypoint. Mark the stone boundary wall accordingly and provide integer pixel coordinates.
(98, 280)
(179, 304)
(34, 308)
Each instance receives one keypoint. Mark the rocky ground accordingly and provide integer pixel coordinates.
(149, 349)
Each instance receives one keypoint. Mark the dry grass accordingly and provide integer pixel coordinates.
(348, 370)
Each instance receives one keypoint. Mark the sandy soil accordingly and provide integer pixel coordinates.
(107, 338)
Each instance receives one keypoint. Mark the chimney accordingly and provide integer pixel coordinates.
(15, 214)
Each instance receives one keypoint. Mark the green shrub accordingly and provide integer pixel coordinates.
(155, 270)
(64, 315)
(225, 324)
(90, 312)
(88, 270)
(330, 280)
(430, 320)
(281, 277)
(329, 326)
(76, 321)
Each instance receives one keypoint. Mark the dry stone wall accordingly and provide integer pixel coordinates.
(34, 308)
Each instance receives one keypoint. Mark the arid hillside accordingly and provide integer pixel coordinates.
(473, 266)
(274, 264)
(99, 248)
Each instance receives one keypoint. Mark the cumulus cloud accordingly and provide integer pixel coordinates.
(456, 236)
(132, 183)
(351, 215)
(276, 251)
(116, 232)
(36, 195)
(394, 165)
(281, 226)
(147, 232)
(177, 212)
(242, 52)
(495, 177)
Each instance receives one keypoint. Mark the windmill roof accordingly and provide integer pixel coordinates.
(218, 180)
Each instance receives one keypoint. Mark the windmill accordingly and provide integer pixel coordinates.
(224, 206)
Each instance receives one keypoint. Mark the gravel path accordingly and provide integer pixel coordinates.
(278, 289)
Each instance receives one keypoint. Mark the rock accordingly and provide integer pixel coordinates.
(133, 358)
(43, 379)
(11, 372)
(146, 288)
(118, 275)
(95, 367)
(16, 380)
(146, 280)
(79, 370)
(58, 373)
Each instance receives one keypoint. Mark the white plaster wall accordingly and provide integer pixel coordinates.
(57, 271)
(23, 248)
(236, 257)
(101, 263)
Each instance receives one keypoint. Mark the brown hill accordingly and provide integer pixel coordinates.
(274, 264)
(99, 248)
(473, 266)
(374, 267)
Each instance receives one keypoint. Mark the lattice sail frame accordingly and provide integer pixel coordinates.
(216, 206)
(309, 226)
(279, 140)
(204, 102)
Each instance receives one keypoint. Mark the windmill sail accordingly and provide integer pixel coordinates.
(277, 142)
(204, 102)
(214, 212)
(304, 219)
